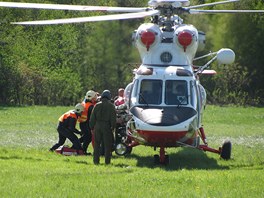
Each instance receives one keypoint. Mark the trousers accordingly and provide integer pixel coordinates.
(103, 134)
(66, 133)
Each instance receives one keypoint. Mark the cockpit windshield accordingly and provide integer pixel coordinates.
(168, 92)
(150, 92)
(176, 92)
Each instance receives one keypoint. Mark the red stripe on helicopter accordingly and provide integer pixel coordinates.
(164, 138)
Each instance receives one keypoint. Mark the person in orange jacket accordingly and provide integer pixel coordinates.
(67, 128)
(88, 104)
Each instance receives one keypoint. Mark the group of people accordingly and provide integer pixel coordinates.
(97, 121)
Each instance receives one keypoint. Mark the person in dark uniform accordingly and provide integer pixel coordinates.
(88, 104)
(102, 123)
(66, 129)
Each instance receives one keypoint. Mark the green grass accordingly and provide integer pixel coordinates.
(27, 169)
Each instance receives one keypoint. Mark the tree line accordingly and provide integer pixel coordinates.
(57, 64)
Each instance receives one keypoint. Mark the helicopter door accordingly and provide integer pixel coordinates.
(196, 99)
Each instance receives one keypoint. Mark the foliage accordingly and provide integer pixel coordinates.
(244, 34)
(34, 60)
(229, 86)
(31, 62)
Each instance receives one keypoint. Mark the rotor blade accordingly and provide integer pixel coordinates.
(70, 7)
(193, 11)
(211, 4)
(90, 19)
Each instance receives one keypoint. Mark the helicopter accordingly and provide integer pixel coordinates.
(165, 102)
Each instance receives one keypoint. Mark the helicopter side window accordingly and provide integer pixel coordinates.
(128, 93)
(150, 92)
(176, 92)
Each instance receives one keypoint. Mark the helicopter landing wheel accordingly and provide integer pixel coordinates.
(122, 149)
(226, 150)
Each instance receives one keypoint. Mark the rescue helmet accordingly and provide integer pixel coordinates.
(90, 95)
(106, 94)
(79, 108)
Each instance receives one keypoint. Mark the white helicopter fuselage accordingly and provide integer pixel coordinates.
(161, 113)
(165, 99)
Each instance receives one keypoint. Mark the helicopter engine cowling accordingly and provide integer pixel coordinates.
(146, 37)
(186, 38)
(159, 46)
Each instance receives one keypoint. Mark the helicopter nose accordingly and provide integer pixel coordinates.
(166, 116)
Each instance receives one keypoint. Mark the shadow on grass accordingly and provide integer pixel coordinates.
(185, 159)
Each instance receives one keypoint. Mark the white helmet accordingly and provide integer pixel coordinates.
(79, 108)
(90, 95)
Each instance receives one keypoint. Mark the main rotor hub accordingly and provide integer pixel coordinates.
(174, 3)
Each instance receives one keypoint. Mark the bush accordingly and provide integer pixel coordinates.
(230, 86)
(62, 87)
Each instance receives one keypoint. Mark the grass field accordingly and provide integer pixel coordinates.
(29, 170)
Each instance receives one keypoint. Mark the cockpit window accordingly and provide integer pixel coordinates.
(150, 92)
(176, 92)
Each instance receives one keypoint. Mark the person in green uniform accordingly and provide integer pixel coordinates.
(102, 123)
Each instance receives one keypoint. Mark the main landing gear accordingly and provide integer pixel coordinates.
(224, 151)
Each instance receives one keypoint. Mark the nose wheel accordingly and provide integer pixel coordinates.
(162, 158)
